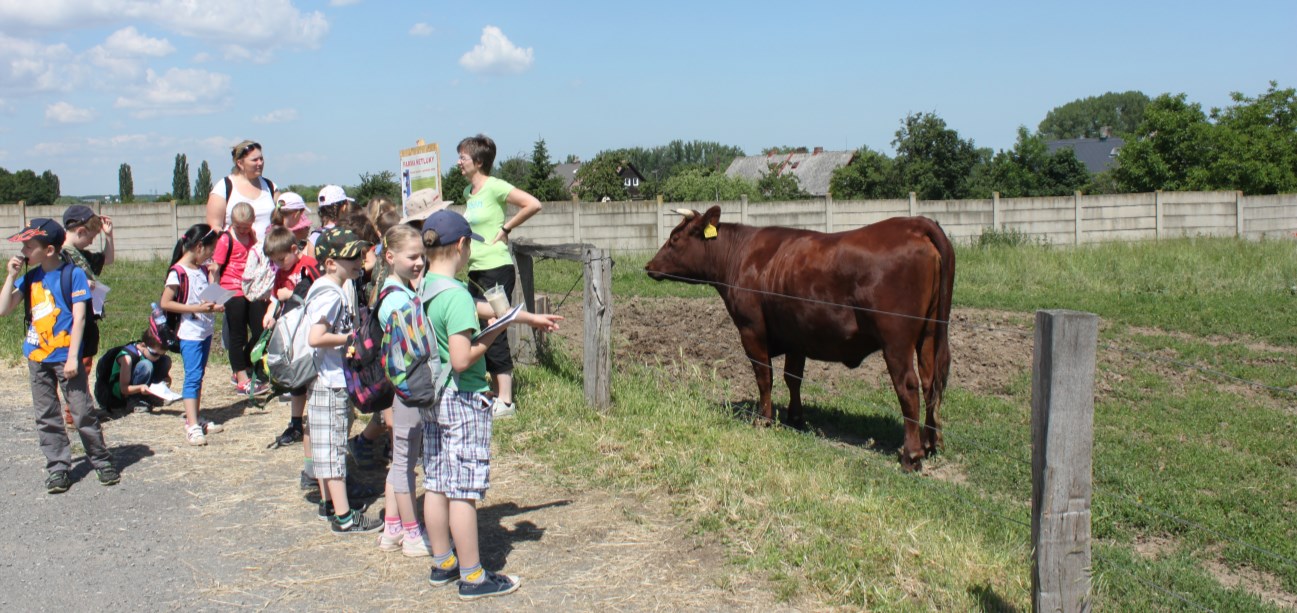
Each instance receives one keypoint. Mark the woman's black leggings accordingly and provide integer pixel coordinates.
(243, 320)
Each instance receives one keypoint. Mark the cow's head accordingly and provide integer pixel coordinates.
(684, 256)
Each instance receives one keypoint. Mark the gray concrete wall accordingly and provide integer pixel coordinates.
(149, 230)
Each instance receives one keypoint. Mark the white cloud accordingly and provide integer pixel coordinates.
(30, 67)
(276, 116)
(125, 52)
(180, 91)
(258, 26)
(421, 29)
(62, 112)
(343, 2)
(496, 55)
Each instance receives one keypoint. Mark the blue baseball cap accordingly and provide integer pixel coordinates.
(449, 226)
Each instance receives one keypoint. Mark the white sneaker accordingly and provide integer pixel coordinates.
(194, 434)
(387, 542)
(209, 426)
(503, 410)
(417, 548)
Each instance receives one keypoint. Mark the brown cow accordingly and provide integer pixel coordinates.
(830, 297)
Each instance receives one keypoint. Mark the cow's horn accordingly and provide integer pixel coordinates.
(688, 214)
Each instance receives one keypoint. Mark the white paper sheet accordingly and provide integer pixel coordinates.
(163, 391)
(98, 294)
(500, 322)
(215, 293)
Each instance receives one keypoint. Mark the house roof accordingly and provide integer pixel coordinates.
(566, 172)
(813, 170)
(1098, 154)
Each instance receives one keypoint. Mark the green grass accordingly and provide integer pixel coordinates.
(827, 518)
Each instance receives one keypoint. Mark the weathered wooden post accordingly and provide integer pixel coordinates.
(1062, 436)
(542, 338)
(597, 360)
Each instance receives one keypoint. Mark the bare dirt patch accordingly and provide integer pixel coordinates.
(1264, 585)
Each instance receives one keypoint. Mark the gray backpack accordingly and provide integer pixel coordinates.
(289, 359)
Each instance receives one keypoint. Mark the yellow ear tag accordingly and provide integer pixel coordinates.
(709, 231)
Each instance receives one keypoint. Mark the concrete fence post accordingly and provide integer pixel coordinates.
(1062, 436)
(914, 204)
(658, 231)
(576, 222)
(1238, 214)
(22, 213)
(1076, 203)
(828, 213)
(995, 210)
(743, 209)
(1157, 212)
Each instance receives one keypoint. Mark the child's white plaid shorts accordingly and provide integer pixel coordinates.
(457, 446)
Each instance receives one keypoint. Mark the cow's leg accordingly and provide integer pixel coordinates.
(900, 365)
(931, 395)
(757, 352)
(794, 367)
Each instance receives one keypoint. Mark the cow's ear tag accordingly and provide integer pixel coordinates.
(709, 231)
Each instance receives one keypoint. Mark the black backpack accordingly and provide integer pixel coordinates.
(65, 281)
(182, 296)
(108, 372)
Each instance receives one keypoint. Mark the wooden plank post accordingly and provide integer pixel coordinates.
(522, 339)
(597, 358)
(1062, 432)
(542, 339)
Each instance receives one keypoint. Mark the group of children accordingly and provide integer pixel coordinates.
(404, 267)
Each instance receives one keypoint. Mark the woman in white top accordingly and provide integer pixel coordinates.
(244, 184)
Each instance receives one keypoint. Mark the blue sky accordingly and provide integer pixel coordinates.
(335, 88)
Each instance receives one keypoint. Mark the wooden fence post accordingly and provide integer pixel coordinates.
(597, 358)
(1062, 436)
(522, 339)
(542, 339)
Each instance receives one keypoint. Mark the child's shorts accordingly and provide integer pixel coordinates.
(457, 447)
(330, 420)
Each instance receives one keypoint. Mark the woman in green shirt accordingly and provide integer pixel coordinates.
(487, 207)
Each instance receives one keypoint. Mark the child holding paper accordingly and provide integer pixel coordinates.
(186, 281)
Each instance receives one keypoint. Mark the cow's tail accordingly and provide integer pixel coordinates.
(945, 295)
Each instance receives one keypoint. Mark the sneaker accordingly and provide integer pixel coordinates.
(234, 380)
(209, 426)
(503, 410)
(252, 388)
(441, 576)
(356, 523)
(325, 512)
(388, 542)
(416, 547)
(108, 475)
(141, 406)
(494, 585)
(292, 434)
(58, 482)
(194, 434)
(362, 450)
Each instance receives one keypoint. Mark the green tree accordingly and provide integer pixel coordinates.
(774, 185)
(180, 179)
(382, 183)
(7, 194)
(49, 192)
(203, 184)
(514, 170)
(783, 150)
(1029, 169)
(870, 175)
(125, 184)
(1256, 143)
(702, 184)
(453, 184)
(598, 179)
(932, 160)
(541, 181)
(571, 159)
(1084, 118)
(1173, 150)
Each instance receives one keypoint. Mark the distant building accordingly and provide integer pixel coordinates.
(1098, 154)
(566, 172)
(630, 177)
(813, 170)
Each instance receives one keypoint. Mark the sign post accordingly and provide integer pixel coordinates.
(420, 171)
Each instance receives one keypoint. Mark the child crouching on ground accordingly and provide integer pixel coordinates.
(140, 365)
(331, 322)
(457, 444)
(57, 301)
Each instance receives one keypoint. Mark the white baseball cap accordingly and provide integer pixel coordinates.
(291, 201)
(333, 194)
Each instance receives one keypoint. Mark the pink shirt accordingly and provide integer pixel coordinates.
(235, 261)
